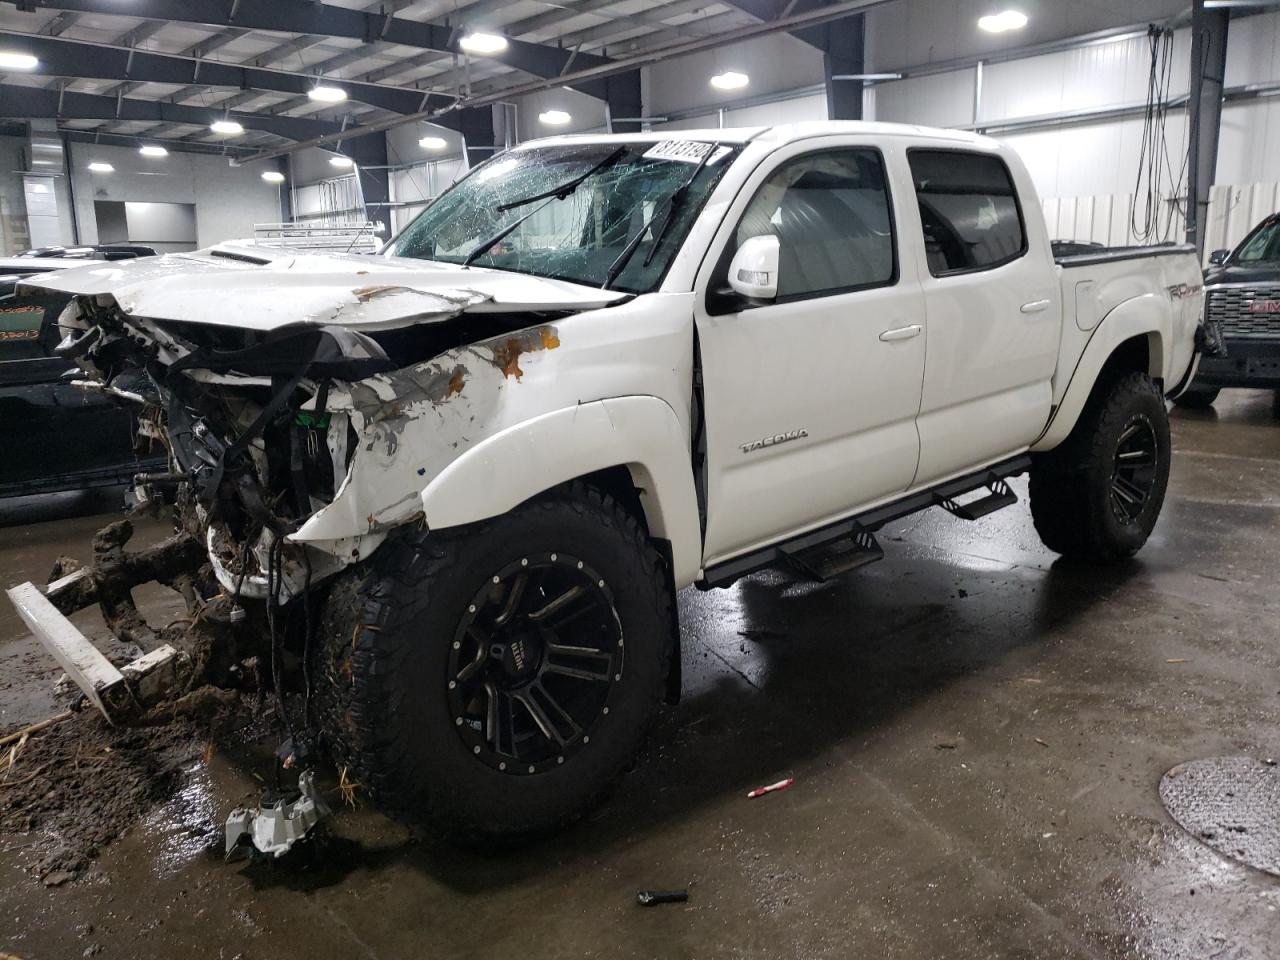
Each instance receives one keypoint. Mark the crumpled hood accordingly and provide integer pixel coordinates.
(262, 288)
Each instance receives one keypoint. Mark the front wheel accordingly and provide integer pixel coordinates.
(497, 678)
(1098, 494)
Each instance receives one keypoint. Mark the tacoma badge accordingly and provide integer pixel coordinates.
(773, 441)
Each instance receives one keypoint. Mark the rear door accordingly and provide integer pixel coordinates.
(994, 311)
(811, 398)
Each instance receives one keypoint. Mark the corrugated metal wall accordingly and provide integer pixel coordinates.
(1233, 212)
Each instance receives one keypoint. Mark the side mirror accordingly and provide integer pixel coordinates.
(1218, 257)
(753, 272)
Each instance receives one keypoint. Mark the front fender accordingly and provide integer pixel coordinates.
(1144, 316)
(641, 433)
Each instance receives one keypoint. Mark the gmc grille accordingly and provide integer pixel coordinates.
(1245, 311)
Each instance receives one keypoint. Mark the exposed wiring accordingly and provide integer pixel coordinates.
(1156, 185)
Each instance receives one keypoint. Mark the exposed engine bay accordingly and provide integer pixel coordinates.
(262, 427)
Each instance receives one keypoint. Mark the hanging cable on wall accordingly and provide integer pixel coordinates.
(1156, 181)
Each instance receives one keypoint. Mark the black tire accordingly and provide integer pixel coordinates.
(390, 643)
(1275, 404)
(1081, 491)
(1198, 398)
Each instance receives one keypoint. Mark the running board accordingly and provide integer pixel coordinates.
(833, 545)
(825, 561)
(999, 497)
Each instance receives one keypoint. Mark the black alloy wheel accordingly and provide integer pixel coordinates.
(534, 663)
(1133, 476)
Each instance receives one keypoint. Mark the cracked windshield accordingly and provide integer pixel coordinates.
(602, 214)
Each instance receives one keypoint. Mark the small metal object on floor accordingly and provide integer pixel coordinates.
(1231, 804)
(648, 898)
(277, 824)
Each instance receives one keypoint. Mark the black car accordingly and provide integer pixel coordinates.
(57, 436)
(1242, 298)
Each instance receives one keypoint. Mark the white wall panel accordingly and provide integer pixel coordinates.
(774, 63)
(940, 100)
(1097, 76)
(229, 200)
(912, 32)
(1253, 45)
(1249, 141)
(795, 110)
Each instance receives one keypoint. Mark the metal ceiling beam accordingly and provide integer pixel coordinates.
(33, 102)
(133, 140)
(768, 10)
(321, 19)
(835, 11)
(86, 61)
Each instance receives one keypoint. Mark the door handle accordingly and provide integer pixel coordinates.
(1035, 306)
(901, 333)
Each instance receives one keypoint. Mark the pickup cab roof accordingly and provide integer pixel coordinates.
(776, 135)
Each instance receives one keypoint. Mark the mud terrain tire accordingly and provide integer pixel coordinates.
(388, 649)
(1082, 491)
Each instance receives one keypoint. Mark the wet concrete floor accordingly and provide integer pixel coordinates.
(976, 733)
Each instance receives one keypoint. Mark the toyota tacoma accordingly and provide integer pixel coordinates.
(462, 481)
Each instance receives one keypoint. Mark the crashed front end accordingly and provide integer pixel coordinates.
(285, 440)
(303, 408)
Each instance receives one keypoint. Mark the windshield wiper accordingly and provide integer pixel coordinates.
(669, 214)
(565, 189)
(555, 193)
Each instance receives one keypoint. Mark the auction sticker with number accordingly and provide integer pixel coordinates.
(684, 151)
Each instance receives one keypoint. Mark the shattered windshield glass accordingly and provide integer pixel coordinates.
(603, 214)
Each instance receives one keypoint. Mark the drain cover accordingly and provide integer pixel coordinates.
(1231, 804)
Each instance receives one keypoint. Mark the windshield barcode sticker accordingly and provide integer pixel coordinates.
(684, 151)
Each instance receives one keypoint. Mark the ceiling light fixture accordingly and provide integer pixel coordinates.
(433, 143)
(1003, 21)
(345, 163)
(10, 60)
(730, 80)
(554, 118)
(227, 128)
(151, 150)
(483, 43)
(273, 176)
(327, 94)
(99, 167)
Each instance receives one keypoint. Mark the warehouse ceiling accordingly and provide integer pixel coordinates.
(163, 70)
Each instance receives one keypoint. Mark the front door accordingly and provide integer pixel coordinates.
(811, 397)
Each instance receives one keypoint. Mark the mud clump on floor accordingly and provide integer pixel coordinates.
(79, 784)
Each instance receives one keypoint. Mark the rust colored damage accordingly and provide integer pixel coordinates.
(508, 350)
(365, 294)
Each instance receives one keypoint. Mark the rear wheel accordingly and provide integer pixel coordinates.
(1097, 495)
(499, 677)
(1198, 398)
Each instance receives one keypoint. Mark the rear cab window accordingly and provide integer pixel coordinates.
(969, 210)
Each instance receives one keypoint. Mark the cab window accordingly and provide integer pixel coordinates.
(969, 210)
(830, 212)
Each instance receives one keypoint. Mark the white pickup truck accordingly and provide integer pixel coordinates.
(600, 369)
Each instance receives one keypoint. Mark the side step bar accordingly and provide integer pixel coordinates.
(826, 561)
(999, 497)
(848, 544)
